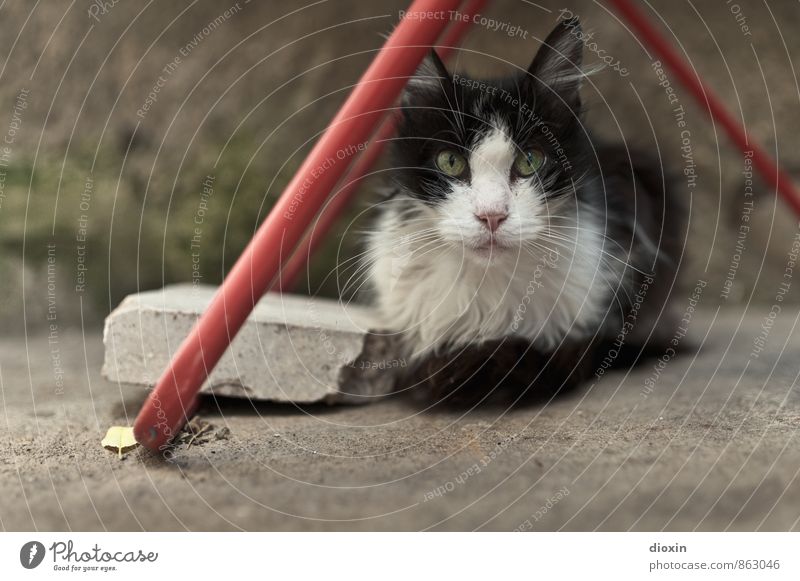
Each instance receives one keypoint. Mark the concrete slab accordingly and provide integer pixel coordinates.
(291, 349)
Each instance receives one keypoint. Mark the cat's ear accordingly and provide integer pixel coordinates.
(557, 65)
(430, 77)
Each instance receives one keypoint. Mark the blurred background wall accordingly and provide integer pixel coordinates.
(127, 122)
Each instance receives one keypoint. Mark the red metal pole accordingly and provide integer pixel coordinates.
(767, 167)
(175, 395)
(330, 214)
(456, 31)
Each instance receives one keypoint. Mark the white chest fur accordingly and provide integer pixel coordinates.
(440, 296)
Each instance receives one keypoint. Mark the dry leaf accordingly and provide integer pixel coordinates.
(119, 439)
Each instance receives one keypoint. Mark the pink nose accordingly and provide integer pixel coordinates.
(492, 220)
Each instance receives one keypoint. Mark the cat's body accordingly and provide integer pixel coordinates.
(508, 221)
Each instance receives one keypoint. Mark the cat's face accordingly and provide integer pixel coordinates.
(489, 161)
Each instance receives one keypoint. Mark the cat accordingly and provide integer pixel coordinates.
(509, 224)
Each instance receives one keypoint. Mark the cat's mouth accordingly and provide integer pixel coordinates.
(490, 247)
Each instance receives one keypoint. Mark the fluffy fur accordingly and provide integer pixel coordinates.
(564, 264)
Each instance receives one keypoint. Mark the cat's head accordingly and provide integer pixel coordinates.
(488, 161)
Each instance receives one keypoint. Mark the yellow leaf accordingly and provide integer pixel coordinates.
(120, 439)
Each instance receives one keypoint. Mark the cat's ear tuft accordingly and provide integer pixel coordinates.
(557, 65)
(430, 77)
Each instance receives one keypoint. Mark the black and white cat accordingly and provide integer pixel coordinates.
(507, 220)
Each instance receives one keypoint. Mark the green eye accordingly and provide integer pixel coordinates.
(451, 162)
(529, 162)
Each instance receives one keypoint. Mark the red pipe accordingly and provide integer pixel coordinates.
(174, 398)
(763, 162)
(457, 30)
(331, 213)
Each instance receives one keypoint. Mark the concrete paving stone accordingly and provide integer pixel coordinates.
(291, 349)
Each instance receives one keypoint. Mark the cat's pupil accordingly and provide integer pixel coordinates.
(451, 160)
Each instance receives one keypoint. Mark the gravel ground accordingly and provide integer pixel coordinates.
(712, 447)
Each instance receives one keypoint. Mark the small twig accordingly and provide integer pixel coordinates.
(198, 433)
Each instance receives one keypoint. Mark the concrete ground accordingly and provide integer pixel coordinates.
(712, 447)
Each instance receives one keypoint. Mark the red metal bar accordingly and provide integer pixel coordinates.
(331, 213)
(457, 30)
(767, 167)
(296, 264)
(175, 395)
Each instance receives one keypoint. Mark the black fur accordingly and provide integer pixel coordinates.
(441, 110)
